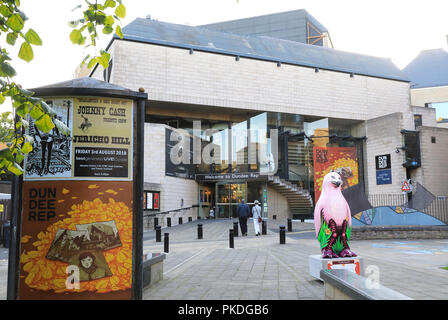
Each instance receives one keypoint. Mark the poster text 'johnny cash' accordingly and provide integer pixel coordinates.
(101, 111)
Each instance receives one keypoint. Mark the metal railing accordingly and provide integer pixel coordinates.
(175, 214)
(438, 208)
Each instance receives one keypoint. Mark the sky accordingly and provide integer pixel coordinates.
(395, 29)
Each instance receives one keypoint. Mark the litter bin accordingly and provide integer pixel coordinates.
(6, 235)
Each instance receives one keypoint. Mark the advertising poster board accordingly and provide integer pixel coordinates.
(77, 209)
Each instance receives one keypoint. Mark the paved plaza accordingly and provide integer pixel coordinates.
(260, 268)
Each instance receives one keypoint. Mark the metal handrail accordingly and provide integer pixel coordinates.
(168, 211)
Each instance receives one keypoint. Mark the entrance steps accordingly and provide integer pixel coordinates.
(299, 200)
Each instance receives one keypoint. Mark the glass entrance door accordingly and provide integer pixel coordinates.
(228, 196)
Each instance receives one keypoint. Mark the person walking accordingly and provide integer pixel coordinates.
(243, 212)
(256, 215)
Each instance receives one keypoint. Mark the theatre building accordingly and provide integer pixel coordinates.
(235, 116)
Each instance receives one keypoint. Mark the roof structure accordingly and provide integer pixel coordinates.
(289, 25)
(428, 69)
(85, 86)
(259, 47)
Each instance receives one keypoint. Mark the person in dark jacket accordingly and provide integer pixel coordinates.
(243, 213)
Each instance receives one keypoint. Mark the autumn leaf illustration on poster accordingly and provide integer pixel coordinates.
(76, 225)
(343, 160)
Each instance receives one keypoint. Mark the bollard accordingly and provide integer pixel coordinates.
(282, 235)
(200, 231)
(158, 234)
(190, 219)
(263, 227)
(235, 229)
(231, 239)
(289, 225)
(166, 242)
(180, 220)
(168, 222)
(156, 223)
(274, 217)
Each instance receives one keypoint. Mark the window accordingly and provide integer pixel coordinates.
(418, 121)
(151, 200)
(411, 141)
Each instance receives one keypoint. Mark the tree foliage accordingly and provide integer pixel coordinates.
(105, 15)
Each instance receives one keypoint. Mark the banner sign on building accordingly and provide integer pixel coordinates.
(343, 160)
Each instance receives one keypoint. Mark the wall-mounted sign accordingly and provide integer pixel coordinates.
(383, 169)
(384, 176)
(243, 176)
(382, 162)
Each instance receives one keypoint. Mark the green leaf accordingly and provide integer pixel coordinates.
(2, 98)
(15, 168)
(92, 62)
(109, 3)
(36, 112)
(11, 38)
(118, 31)
(22, 15)
(120, 11)
(109, 20)
(6, 70)
(103, 59)
(32, 37)
(108, 29)
(26, 52)
(15, 22)
(22, 110)
(90, 27)
(76, 37)
(100, 17)
(338, 246)
(6, 154)
(44, 123)
(19, 158)
(26, 148)
(5, 11)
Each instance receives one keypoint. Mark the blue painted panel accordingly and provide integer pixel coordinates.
(384, 176)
